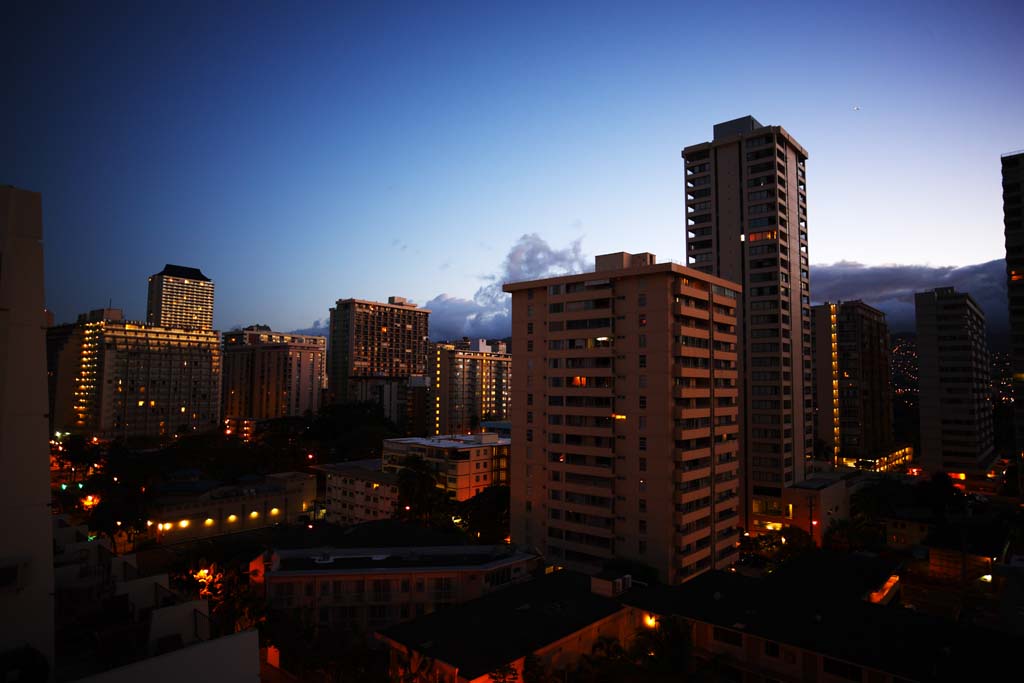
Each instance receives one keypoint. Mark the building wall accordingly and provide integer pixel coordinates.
(955, 383)
(1013, 224)
(469, 386)
(129, 379)
(26, 557)
(465, 464)
(747, 222)
(230, 659)
(289, 500)
(373, 340)
(355, 496)
(853, 382)
(364, 601)
(625, 419)
(180, 302)
(270, 374)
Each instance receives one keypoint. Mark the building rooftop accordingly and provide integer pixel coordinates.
(357, 560)
(856, 631)
(183, 272)
(479, 636)
(456, 440)
(367, 470)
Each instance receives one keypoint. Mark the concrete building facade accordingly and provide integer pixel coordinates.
(117, 378)
(746, 211)
(955, 384)
(26, 555)
(471, 383)
(272, 374)
(1013, 223)
(180, 297)
(465, 464)
(358, 491)
(359, 590)
(852, 383)
(373, 342)
(625, 419)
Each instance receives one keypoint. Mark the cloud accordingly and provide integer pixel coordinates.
(487, 314)
(891, 288)
(319, 327)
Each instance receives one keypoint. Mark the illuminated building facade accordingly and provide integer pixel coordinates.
(955, 384)
(26, 558)
(746, 211)
(180, 297)
(465, 464)
(853, 383)
(1013, 222)
(272, 374)
(282, 498)
(118, 378)
(625, 417)
(471, 383)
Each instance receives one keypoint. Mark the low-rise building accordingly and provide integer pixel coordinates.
(357, 491)
(359, 590)
(556, 618)
(190, 510)
(465, 464)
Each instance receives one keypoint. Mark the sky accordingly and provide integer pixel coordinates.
(299, 153)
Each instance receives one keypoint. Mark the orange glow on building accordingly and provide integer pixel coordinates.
(650, 621)
(879, 595)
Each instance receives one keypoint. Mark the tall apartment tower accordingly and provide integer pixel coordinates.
(370, 340)
(746, 211)
(852, 383)
(1013, 222)
(954, 372)
(180, 297)
(271, 374)
(118, 378)
(472, 383)
(26, 552)
(624, 417)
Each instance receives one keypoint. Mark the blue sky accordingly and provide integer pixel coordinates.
(303, 152)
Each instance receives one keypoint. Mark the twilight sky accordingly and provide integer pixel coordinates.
(303, 152)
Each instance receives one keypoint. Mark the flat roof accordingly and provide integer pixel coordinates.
(451, 441)
(368, 470)
(623, 273)
(479, 636)
(869, 635)
(358, 560)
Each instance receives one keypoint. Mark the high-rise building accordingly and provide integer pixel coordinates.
(180, 297)
(954, 373)
(746, 211)
(26, 553)
(852, 383)
(118, 378)
(624, 417)
(374, 349)
(471, 383)
(1013, 222)
(272, 374)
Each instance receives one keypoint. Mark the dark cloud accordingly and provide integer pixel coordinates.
(487, 314)
(891, 288)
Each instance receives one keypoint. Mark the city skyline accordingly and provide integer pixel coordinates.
(437, 143)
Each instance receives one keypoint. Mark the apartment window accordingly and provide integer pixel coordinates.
(643, 443)
(529, 435)
(529, 345)
(641, 422)
(529, 399)
(728, 637)
(643, 360)
(642, 341)
(771, 649)
(643, 403)
(643, 505)
(643, 463)
(529, 328)
(642, 547)
(642, 381)
(642, 321)
(641, 299)
(643, 526)
(529, 309)
(840, 669)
